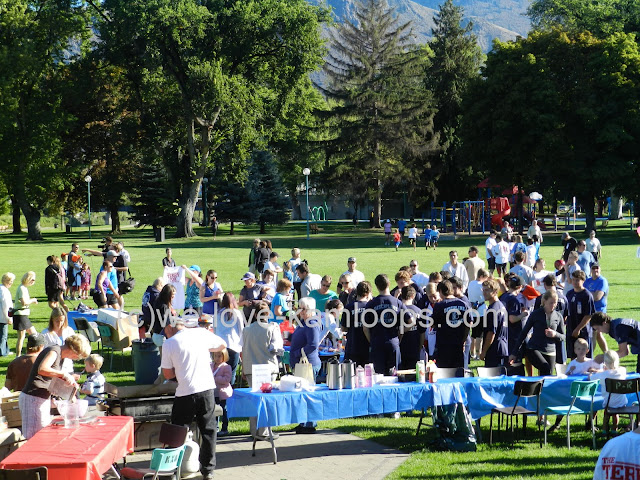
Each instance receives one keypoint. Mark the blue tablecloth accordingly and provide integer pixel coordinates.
(483, 394)
(284, 408)
(91, 316)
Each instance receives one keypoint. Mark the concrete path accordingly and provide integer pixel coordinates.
(326, 454)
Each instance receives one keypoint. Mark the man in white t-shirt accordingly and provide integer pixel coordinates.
(417, 277)
(273, 266)
(620, 458)
(356, 275)
(501, 253)
(456, 269)
(488, 245)
(294, 261)
(186, 357)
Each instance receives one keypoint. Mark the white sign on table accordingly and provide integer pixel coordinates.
(260, 374)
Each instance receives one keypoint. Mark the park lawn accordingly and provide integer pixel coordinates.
(327, 253)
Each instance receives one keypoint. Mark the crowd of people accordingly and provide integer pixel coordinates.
(509, 312)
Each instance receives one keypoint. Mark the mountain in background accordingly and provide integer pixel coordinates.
(502, 19)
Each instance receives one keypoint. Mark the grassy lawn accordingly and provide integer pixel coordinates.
(327, 253)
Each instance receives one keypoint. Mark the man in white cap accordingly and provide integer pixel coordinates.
(186, 357)
(356, 275)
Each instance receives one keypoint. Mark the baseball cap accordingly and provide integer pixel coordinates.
(530, 293)
(248, 276)
(112, 253)
(195, 268)
(351, 260)
(35, 340)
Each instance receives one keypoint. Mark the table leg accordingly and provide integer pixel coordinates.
(115, 471)
(273, 447)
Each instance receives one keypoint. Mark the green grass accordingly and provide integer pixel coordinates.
(327, 253)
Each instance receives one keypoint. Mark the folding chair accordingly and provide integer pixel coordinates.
(521, 389)
(84, 328)
(111, 341)
(626, 387)
(165, 462)
(578, 389)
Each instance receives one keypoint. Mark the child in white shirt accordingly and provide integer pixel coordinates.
(582, 365)
(612, 369)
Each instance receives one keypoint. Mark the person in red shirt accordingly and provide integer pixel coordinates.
(397, 238)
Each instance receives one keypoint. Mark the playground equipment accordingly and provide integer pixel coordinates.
(463, 216)
(319, 213)
(501, 205)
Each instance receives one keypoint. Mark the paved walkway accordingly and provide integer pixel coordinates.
(327, 454)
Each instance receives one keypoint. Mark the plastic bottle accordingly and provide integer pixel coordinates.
(360, 377)
(368, 374)
(421, 372)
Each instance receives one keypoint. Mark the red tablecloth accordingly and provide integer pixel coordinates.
(84, 453)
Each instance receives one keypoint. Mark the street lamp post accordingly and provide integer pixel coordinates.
(205, 221)
(306, 173)
(88, 180)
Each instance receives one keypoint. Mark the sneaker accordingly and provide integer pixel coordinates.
(396, 415)
(541, 423)
(300, 429)
(207, 476)
(223, 433)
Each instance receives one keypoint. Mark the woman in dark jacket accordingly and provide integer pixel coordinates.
(547, 326)
(162, 312)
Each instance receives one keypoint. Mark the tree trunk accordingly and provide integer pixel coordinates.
(115, 219)
(231, 228)
(263, 228)
(184, 221)
(588, 203)
(17, 228)
(616, 207)
(295, 203)
(31, 213)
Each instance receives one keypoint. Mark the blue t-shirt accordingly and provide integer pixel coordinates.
(514, 307)
(497, 323)
(580, 304)
(448, 322)
(626, 330)
(593, 286)
(410, 344)
(402, 224)
(281, 300)
(585, 260)
(113, 278)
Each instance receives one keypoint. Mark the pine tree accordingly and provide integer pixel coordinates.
(155, 200)
(379, 128)
(456, 61)
(269, 204)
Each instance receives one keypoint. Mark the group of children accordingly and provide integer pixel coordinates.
(79, 280)
(583, 365)
(431, 235)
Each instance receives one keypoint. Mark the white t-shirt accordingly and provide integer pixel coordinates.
(188, 353)
(458, 271)
(274, 267)
(538, 280)
(312, 281)
(581, 368)
(420, 279)
(617, 399)
(619, 458)
(531, 256)
(413, 232)
(501, 252)
(488, 245)
(356, 277)
(475, 292)
(473, 264)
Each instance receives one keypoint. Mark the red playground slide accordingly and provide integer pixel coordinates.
(502, 206)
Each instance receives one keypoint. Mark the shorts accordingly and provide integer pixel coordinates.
(54, 296)
(84, 286)
(398, 244)
(21, 322)
(501, 267)
(478, 331)
(111, 300)
(412, 241)
(492, 263)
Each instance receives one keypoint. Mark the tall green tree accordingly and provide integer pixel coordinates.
(562, 108)
(40, 41)
(381, 119)
(220, 69)
(600, 17)
(454, 64)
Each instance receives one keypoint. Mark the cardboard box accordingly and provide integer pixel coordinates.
(9, 408)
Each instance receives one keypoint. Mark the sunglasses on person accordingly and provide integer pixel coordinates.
(326, 285)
